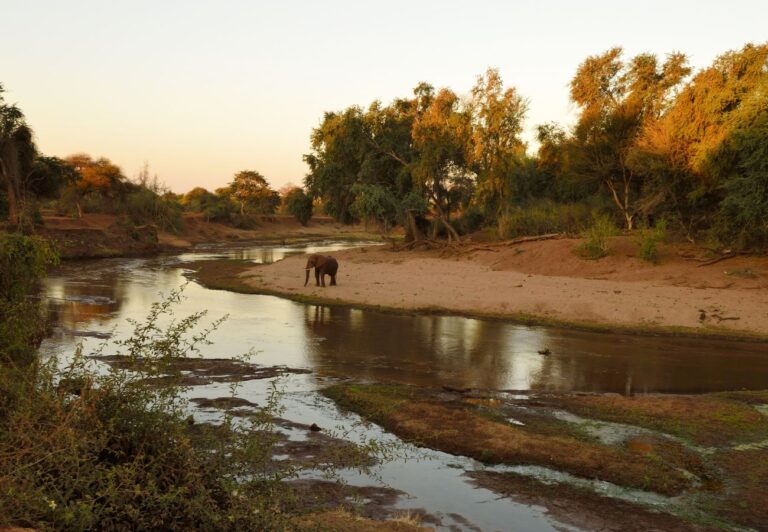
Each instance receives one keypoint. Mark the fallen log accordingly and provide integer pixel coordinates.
(550, 236)
(721, 258)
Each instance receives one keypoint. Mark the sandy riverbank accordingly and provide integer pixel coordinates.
(543, 282)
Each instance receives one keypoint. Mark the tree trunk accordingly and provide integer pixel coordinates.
(452, 234)
(11, 181)
(622, 205)
(412, 234)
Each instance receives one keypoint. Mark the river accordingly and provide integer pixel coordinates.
(91, 300)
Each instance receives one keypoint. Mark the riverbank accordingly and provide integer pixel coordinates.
(540, 283)
(102, 235)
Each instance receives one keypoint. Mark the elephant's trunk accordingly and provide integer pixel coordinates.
(306, 280)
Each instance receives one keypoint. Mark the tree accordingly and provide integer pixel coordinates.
(252, 192)
(496, 149)
(440, 134)
(741, 162)
(391, 152)
(17, 153)
(339, 147)
(198, 199)
(676, 152)
(375, 203)
(299, 204)
(98, 178)
(617, 100)
(49, 175)
(357, 147)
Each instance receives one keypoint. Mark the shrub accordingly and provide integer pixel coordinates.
(23, 262)
(596, 236)
(471, 220)
(143, 206)
(543, 217)
(119, 452)
(648, 241)
(742, 221)
(374, 203)
(198, 199)
(220, 210)
(243, 221)
(85, 449)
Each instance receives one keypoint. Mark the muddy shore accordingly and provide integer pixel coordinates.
(105, 236)
(696, 449)
(535, 283)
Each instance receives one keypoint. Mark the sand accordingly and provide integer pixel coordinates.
(547, 281)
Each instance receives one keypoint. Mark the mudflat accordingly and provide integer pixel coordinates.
(544, 281)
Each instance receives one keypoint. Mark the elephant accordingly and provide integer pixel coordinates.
(323, 266)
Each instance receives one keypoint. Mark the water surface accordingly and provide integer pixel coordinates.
(98, 296)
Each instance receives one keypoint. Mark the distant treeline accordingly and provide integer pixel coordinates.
(30, 181)
(653, 142)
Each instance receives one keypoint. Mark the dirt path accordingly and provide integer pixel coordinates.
(730, 297)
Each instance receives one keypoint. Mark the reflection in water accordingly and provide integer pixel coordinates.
(265, 254)
(444, 350)
(425, 350)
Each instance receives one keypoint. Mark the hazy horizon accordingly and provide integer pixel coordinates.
(200, 90)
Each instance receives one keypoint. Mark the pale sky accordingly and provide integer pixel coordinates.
(202, 89)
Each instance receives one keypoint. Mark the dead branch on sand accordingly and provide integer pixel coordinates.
(466, 247)
(725, 256)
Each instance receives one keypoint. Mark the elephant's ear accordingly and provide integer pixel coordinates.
(320, 260)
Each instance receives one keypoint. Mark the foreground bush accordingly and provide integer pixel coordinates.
(23, 261)
(84, 449)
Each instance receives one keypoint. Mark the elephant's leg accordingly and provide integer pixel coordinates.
(317, 276)
(333, 280)
(322, 279)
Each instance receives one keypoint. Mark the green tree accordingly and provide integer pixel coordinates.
(49, 175)
(17, 153)
(375, 203)
(617, 100)
(23, 262)
(364, 147)
(339, 148)
(676, 152)
(299, 204)
(198, 199)
(742, 161)
(250, 190)
(496, 151)
(441, 135)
